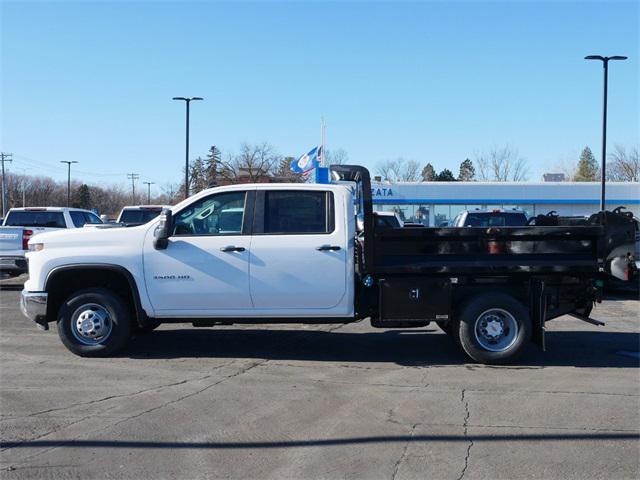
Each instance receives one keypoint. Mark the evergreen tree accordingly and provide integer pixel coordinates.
(587, 167)
(428, 173)
(445, 176)
(212, 165)
(197, 176)
(467, 171)
(83, 197)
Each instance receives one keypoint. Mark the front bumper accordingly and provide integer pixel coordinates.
(34, 306)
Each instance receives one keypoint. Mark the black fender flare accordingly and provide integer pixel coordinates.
(141, 315)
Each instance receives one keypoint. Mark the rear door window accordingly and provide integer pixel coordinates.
(298, 212)
(36, 219)
(92, 218)
(80, 219)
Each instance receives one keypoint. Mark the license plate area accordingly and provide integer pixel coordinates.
(415, 299)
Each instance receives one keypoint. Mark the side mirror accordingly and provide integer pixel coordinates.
(163, 230)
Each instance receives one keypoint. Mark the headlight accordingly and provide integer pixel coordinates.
(36, 247)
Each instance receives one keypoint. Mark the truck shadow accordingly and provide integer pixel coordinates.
(424, 347)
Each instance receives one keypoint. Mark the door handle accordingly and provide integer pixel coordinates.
(325, 248)
(231, 248)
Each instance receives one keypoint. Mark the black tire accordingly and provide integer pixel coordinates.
(111, 313)
(506, 315)
(149, 326)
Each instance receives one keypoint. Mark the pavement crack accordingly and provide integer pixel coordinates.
(396, 467)
(465, 424)
(192, 394)
(126, 395)
(144, 412)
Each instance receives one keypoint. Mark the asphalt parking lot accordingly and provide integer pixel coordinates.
(320, 402)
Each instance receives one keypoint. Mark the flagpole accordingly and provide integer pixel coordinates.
(322, 133)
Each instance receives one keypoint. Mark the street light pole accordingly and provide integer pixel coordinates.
(68, 179)
(187, 101)
(603, 176)
(148, 184)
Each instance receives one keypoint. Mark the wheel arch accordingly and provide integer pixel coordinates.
(64, 280)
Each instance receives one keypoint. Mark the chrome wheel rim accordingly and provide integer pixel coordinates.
(91, 324)
(496, 330)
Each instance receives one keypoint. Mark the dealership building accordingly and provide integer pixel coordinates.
(433, 203)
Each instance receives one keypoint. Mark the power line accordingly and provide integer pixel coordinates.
(133, 177)
(4, 157)
(32, 162)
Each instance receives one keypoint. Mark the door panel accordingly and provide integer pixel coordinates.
(287, 270)
(204, 270)
(193, 273)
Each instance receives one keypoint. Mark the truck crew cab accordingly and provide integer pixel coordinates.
(302, 253)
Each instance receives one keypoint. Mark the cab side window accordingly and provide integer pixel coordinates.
(221, 214)
(298, 212)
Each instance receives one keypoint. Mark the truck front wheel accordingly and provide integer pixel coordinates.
(94, 323)
(494, 328)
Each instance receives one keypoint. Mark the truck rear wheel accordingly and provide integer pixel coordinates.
(494, 328)
(94, 323)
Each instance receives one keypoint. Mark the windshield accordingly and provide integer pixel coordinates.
(139, 216)
(35, 219)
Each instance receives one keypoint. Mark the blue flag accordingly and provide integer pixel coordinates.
(308, 161)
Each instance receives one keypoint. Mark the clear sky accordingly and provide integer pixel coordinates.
(431, 81)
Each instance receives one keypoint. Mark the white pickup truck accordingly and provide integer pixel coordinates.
(21, 224)
(294, 253)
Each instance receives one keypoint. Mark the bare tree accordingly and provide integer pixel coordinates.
(339, 156)
(399, 170)
(624, 166)
(501, 164)
(254, 162)
(170, 192)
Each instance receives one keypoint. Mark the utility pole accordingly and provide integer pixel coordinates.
(4, 157)
(24, 193)
(187, 101)
(148, 184)
(605, 65)
(68, 179)
(133, 177)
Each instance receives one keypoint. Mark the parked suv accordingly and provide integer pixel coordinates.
(490, 218)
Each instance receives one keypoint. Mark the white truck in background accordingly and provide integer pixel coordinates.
(13, 245)
(21, 224)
